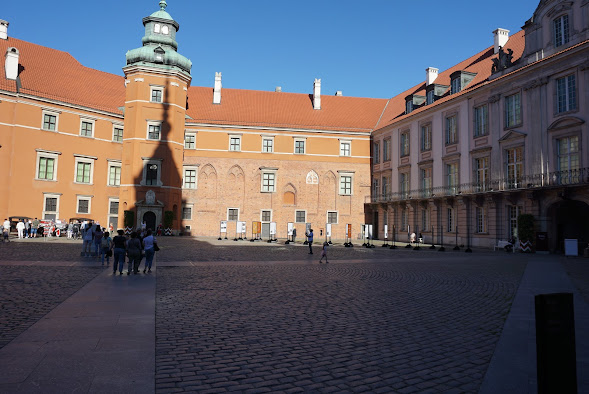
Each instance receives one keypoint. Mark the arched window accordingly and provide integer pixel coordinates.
(312, 178)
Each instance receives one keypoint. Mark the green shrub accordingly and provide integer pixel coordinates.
(525, 227)
(168, 219)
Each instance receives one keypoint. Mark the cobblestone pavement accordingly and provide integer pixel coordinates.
(403, 326)
(29, 293)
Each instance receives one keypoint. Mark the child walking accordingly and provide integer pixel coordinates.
(324, 253)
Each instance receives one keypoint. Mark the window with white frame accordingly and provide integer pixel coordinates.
(86, 128)
(345, 148)
(513, 110)
(451, 130)
(232, 214)
(51, 206)
(50, 120)
(189, 140)
(481, 220)
(405, 144)
(332, 217)
(404, 184)
(83, 204)
(113, 212)
(117, 133)
(515, 166)
(266, 216)
(157, 94)
(481, 173)
(452, 177)
(300, 216)
(189, 179)
(154, 131)
(235, 143)
(481, 120)
(299, 146)
(426, 181)
(267, 144)
(84, 169)
(560, 27)
(47, 165)
(268, 181)
(186, 212)
(152, 169)
(345, 184)
(114, 173)
(386, 150)
(566, 94)
(450, 220)
(426, 137)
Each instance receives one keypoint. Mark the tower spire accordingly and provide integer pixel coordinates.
(163, 5)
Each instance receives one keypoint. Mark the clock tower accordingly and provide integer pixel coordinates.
(156, 79)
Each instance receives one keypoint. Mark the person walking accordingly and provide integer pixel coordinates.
(324, 253)
(27, 228)
(87, 237)
(6, 230)
(310, 240)
(20, 228)
(34, 228)
(119, 247)
(134, 253)
(149, 244)
(97, 240)
(294, 235)
(105, 248)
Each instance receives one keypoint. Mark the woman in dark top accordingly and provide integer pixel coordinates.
(134, 253)
(120, 246)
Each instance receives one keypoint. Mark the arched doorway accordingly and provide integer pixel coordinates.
(570, 220)
(149, 219)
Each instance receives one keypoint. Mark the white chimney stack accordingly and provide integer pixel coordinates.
(339, 93)
(11, 64)
(3, 30)
(317, 94)
(278, 89)
(501, 36)
(431, 73)
(217, 89)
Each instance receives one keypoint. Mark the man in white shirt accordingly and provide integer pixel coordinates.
(6, 230)
(20, 227)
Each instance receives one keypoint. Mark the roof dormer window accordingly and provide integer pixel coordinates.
(429, 97)
(412, 102)
(561, 30)
(460, 80)
(408, 106)
(455, 85)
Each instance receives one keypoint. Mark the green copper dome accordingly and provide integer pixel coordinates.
(159, 43)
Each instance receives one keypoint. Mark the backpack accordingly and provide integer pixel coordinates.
(105, 243)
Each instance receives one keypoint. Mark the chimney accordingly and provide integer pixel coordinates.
(278, 89)
(3, 30)
(11, 64)
(501, 36)
(339, 93)
(317, 94)
(217, 89)
(431, 73)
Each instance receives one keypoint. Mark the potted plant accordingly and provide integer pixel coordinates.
(168, 222)
(525, 229)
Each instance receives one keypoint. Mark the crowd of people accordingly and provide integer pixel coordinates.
(97, 242)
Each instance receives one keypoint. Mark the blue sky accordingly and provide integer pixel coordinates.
(370, 48)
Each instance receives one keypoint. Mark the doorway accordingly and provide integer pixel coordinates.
(149, 219)
(570, 220)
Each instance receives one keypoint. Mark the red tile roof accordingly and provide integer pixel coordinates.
(480, 64)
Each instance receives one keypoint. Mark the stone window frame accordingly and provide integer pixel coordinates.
(146, 162)
(91, 122)
(189, 207)
(115, 127)
(268, 171)
(110, 214)
(270, 146)
(475, 120)
(336, 217)
(342, 176)
(376, 152)
(386, 149)
(81, 197)
(305, 214)
(57, 196)
(190, 168)
(405, 143)
(568, 110)
(342, 150)
(190, 134)
(234, 147)
(88, 160)
(113, 163)
(422, 140)
(262, 215)
(50, 112)
(481, 221)
(154, 123)
(565, 38)
(156, 88)
(47, 155)
(304, 141)
(228, 212)
(447, 140)
(506, 119)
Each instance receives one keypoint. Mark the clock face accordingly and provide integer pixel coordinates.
(165, 29)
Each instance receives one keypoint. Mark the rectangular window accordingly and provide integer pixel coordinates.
(299, 147)
(233, 214)
(386, 150)
(451, 130)
(425, 224)
(561, 30)
(568, 160)
(345, 185)
(426, 137)
(83, 171)
(300, 216)
(375, 187)
(186, 213)
(404, 219)
(156, 94)
(49, 122)
(189, 178)
(426, 182)
(429, 97)
(404, 185)
(481, 175)
(409, 106)
(513, 110)
(86, 128)
(114, 175)
(266, 216)
(386, 184)
(189, 140)
(117, 134)
(268, 182)
(235, 143)
(332, 217)
(267, 145)
(376, 152)
(515, 166)
(452, 177)
(51, 207)
(566, 94)
(404, 144)
(46, 168)
(455, 85)
(113, 207)
(83, 205)
(481, 120)
(481, 220)
(154, 131)
(450, 220)
(513, 211)
(345, 148)
(151, 174)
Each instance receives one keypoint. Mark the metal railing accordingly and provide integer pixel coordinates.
(529, 182)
